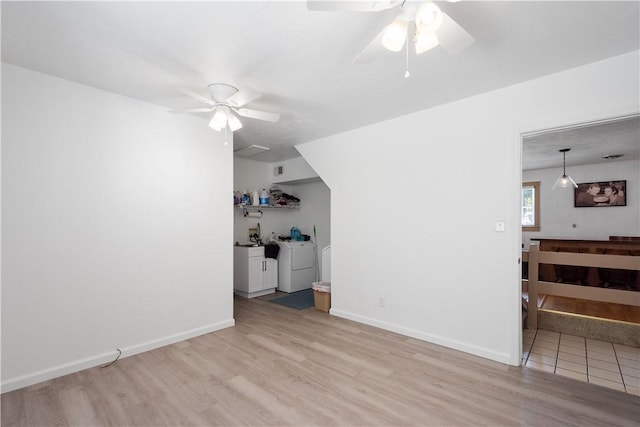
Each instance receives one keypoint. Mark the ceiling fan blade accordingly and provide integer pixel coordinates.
(199, 97)
(373, 49)
(357, 6)
(194, 110)
(259, 115)
(243, 97)
(452, 37)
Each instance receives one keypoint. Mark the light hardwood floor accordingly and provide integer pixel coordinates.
(279, 366)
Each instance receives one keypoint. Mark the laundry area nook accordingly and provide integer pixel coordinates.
(282, 247)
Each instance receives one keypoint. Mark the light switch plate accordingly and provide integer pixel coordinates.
(500, 226)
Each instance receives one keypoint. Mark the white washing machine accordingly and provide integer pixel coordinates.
(296, 265)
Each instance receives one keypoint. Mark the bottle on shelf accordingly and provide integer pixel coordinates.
(264, 198)
(255, 199)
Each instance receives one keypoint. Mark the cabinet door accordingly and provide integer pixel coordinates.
(256, 273)
(270, 274)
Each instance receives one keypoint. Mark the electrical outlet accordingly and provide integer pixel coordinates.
(381, 301)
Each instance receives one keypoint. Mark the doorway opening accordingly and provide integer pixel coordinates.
(585, 304)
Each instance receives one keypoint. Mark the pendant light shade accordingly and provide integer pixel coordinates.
(429, 18)
(395, 35)
(234, 123)
(223, 118)
(564, 180)
(425, 42)
(219, 119)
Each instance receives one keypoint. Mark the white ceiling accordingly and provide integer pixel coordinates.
(589, 143)
(301, 60)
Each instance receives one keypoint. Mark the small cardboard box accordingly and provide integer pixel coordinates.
(322, 300)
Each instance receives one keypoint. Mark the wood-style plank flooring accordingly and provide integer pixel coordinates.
(279, 366)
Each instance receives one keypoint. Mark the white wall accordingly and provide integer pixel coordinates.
(414, 222)
(314, 204)
(296, 169)
(558, 215)
(117, 227)
(315, 209)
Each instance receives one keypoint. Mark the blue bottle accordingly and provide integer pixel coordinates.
(264, 198)
(295, 233)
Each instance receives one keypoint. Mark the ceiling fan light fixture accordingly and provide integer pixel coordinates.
(425, 42)
(234, 122)
(395, 35)
(225, 102)
(429, 18)
(219, 119)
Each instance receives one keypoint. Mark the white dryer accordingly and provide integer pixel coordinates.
(296, 265)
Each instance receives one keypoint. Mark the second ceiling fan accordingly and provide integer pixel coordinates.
(225, 102)
(422, 22)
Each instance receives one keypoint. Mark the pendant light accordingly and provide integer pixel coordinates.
(565, 180)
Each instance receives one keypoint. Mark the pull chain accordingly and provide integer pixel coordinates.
(406, 73)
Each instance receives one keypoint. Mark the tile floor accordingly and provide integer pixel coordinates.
(610, 365)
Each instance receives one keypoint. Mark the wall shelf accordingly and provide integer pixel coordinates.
(268, 207)
(257, 211)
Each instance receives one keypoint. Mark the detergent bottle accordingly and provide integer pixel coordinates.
(294, 233)
(264, 198)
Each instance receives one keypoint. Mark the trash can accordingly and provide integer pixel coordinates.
(322, 295)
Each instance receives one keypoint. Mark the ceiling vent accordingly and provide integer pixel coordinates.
(612, 156)
(250, 151)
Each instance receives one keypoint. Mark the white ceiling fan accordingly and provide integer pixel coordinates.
(427, 25)
(226, 101)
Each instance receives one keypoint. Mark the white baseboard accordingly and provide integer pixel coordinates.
(100, 359)
(435, 339)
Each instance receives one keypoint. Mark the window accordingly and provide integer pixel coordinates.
(531, 206)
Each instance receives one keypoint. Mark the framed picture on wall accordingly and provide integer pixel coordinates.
(600, 194)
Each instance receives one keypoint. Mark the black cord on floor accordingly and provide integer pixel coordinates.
(111, 363)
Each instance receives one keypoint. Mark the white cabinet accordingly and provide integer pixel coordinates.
(253, 274)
